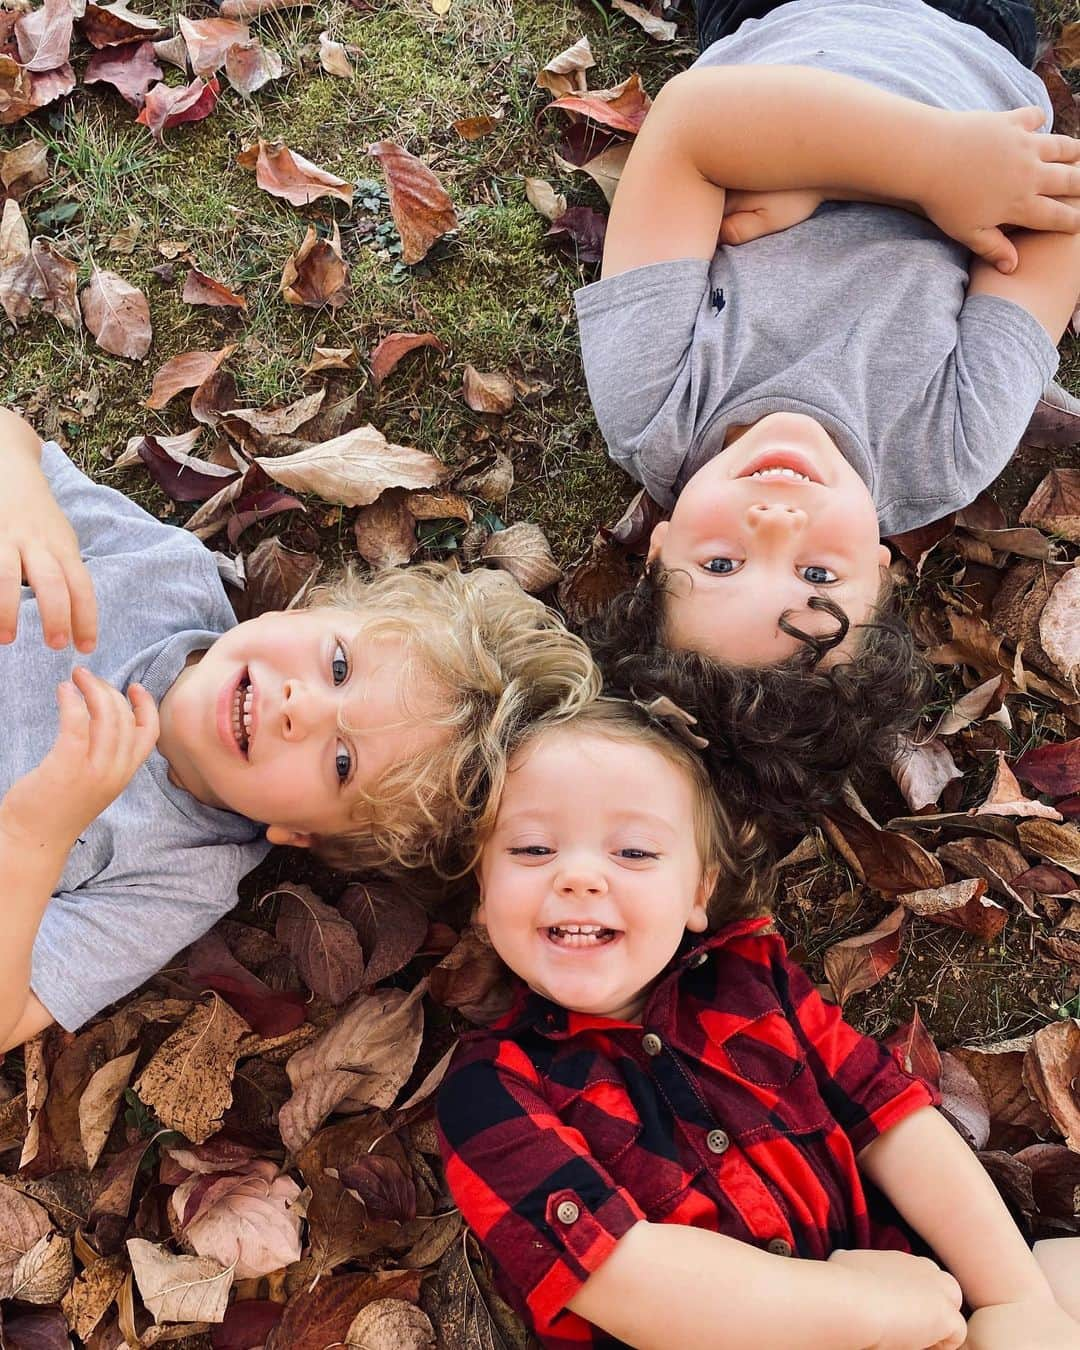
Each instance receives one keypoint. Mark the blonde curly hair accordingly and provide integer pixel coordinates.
(495, 660)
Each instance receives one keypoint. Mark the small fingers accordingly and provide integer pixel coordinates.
(995, 247)
(147, 723)
(46, 578)
(10, 592)
(1032, 117)
(83, 603)
(1056, 148)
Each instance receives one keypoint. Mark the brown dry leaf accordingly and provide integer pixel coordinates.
(44, 1273)
(999, 1069)
(973, 643)
(391, 926)
(247, 1219)
(354, 469)
(914, 1050)
(284, 173)
(489, 476)
(390, 349)
(605, 169)
(362, 1060)
(208, 40)
(890, 862)
(190, 370)
(390, 1324)
(1067, 46)
(100, 1102)
(16, 91)
(316, 274)
(250, 65)
(963, 1101)
(23, 1223)
(200, 289)
(165, 106)
(858, 963)
(117, 314)
(473, 128)
(623, 108)
(1051, 1073)
(319, 1315)
(173, 51)
(44, 36)
(984, 698)
(1006, 797)
(14, 235)
(23, 169)
(42, 275)
(334, 58)
(386, 530)
(1055, 505)
(330, 358)
(1058, 843)
(487, 391)
(472, 979)
(420, 206)
(188, 1082)
(544, 199)
(922, 769)
(524, 552)
(280, 421)
(179, 1288)
(111, 25)
(123, 241)
(93, 1293)
(277, 577)
(590, 585)
(960, 904)
(324, 945)
(1059, 625)
(656, 27)
(565, 73)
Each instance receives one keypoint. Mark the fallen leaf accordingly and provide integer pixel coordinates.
(382, 1185)
(22, 170)
(334, 58)
(188, 1082)
(44, 1273)
(362, 1060)
(995, 860)
(165, 106)
(330, 358)
(1067, 46)
(922, 769)
(1057, 843)
(524, 552)
(624, 108)
(23, 1223)
(914, 1050)
(390, 349)
(472, 979)
(44, 36)
(1055, 504)
(353, 469)
(1064, 102)
(544, 199)
(565, 73)
(391, 927)
(111, 25)
(117, 314)
(131, 69)
(247, 1324)
(43, 275)
(324, 945)
(419, 204)
(473, 128)
(277, 577)
(1052, 768)
(590, 586)
(386, 531)
(487, 391)
(489, 476)
(579, 233)
(173, 51)
(1006, 797)
(284, 173)
(858, 963)
(963, 1101)
(280, 421)
(1051, 1070)
(319, 1317)
(94, 1290)
(984, 698)
(1059, 625)
(208, 41)
(14, 236)
(101, 1101)
(960, 904)
(656, 27)
(200, 289)
(268, 1012)
(16, 90)
(316, 274)
(890, 862)
(605, 169)
(250, 65)
(999, 1071)
(187, 371)
(246, 1220)
(390, 1324)
(179, 1288)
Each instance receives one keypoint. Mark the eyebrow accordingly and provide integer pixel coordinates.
(533, 814)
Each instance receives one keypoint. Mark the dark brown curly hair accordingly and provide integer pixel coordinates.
(783, 739)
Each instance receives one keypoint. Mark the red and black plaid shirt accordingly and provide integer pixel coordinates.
(738, 1104)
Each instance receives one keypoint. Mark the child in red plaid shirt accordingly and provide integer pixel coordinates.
(668, 1113)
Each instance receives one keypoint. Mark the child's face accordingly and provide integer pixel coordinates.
(296, 675)
(592, 831)
(746, 549)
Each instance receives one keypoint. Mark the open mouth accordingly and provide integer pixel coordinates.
(785, 466)
(580, 935)
(242, 720)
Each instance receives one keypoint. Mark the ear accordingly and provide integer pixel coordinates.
(697, 921)
(656, 540)
(281, 834)
(884, 557)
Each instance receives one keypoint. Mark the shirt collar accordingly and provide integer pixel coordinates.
(531, 1011)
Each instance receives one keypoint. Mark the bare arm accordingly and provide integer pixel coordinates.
(667, 1284)
(30, 870)
(1046, 283)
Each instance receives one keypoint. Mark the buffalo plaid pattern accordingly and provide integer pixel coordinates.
(739, 1104)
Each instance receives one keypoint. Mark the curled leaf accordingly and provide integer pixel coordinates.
(419, 204)
(524, 552)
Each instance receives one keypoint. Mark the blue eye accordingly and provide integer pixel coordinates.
(722, 567)
(339, 664)
(342, 763)
(818, 576)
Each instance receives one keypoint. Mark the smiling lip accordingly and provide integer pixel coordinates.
(580, 947)
(225, 701)
(783, 459)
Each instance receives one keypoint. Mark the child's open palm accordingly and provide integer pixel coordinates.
(103, 739)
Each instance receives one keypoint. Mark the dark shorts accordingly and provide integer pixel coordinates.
(1010, 22)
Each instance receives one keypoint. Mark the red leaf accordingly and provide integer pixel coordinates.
(131, 69)
(624, 108)
(111, 25)
(382, 1185)
(858, 963)
(182, 477)
(914, 1050)
(318, 1317)
(246, 1325)
(421, 207)
(579, 233)
(200, 289)
(255, 507)
(269, 1012)
(324, 945)
(34, 1329)
(166, 107)
(393, 347)
(1054, 769)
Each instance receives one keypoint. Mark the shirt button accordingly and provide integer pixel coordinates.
(651, 1043)
(567, 1212)
(717, 1141)
(779, 1247)
(698, 959)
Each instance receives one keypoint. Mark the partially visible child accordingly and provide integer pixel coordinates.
(137, 788)
(791, 374)
(670, 1112)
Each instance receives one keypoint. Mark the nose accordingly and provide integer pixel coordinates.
(303, 710)
(580, 877)
(775, 520)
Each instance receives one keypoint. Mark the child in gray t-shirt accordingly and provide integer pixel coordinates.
(790, 399)
(357, 726)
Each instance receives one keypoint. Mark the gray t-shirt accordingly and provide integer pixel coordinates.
(856, 317)
(157, 868)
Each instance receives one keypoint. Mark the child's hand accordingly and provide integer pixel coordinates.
(102, 741)
(918, 1302)
(37, 542)
(1035, 1325)
(995, 169)
(751, 215)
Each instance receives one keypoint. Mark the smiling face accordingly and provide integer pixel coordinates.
(777, 517)
(592, 873)
(257, 725)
